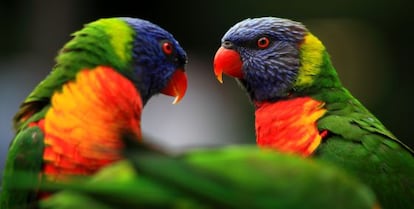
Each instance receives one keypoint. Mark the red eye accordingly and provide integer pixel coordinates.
(263, 42)
(167, 47)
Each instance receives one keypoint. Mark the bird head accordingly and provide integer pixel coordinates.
(271, 57)
(142, 51)
(158, 61)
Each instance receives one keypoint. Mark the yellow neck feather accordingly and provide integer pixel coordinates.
(311, 60)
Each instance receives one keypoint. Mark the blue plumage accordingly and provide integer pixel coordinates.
(150, 63)
(267, 72)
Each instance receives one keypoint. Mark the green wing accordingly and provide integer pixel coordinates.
(231, 177)
(25, 155)
(363, 146)
(38, 100)
(88, 48)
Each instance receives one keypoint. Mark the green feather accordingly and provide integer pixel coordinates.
(355, 139)
(107, 43)
(25, 154)
(358, 141)
(89, 47)
(361, 144)
(228, 177)
(94, 45)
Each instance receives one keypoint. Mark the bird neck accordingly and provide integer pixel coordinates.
(289, 125)
(86, 121)
(316, 71)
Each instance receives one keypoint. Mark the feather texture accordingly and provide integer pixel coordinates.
(93, 96)
(289, 126)
(353, 138)
(227, 177)
(88, 140)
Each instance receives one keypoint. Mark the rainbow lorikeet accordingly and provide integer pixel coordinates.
(301, 106)
(72, 122)
(226, 177)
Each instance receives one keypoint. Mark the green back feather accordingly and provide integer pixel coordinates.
(360, 143)
(91, 46)
(95, 44)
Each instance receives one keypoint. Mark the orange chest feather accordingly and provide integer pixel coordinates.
(84, 126)
(289, 126)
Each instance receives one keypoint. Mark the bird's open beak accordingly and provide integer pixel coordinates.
(227, 61)
(176, 86)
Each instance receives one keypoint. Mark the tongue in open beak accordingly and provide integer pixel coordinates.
(227, 61)
(176, 86)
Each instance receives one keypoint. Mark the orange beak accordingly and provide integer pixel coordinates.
(227, 61)
(176, 86)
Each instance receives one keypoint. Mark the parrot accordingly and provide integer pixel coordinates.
(72, 123)
(232, 176)
(302, 108)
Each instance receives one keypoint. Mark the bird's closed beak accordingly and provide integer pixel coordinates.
(227, 61)
(177, 86)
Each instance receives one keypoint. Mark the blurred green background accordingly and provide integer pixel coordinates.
(370, 43)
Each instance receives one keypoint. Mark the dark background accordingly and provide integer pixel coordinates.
(370, 42)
